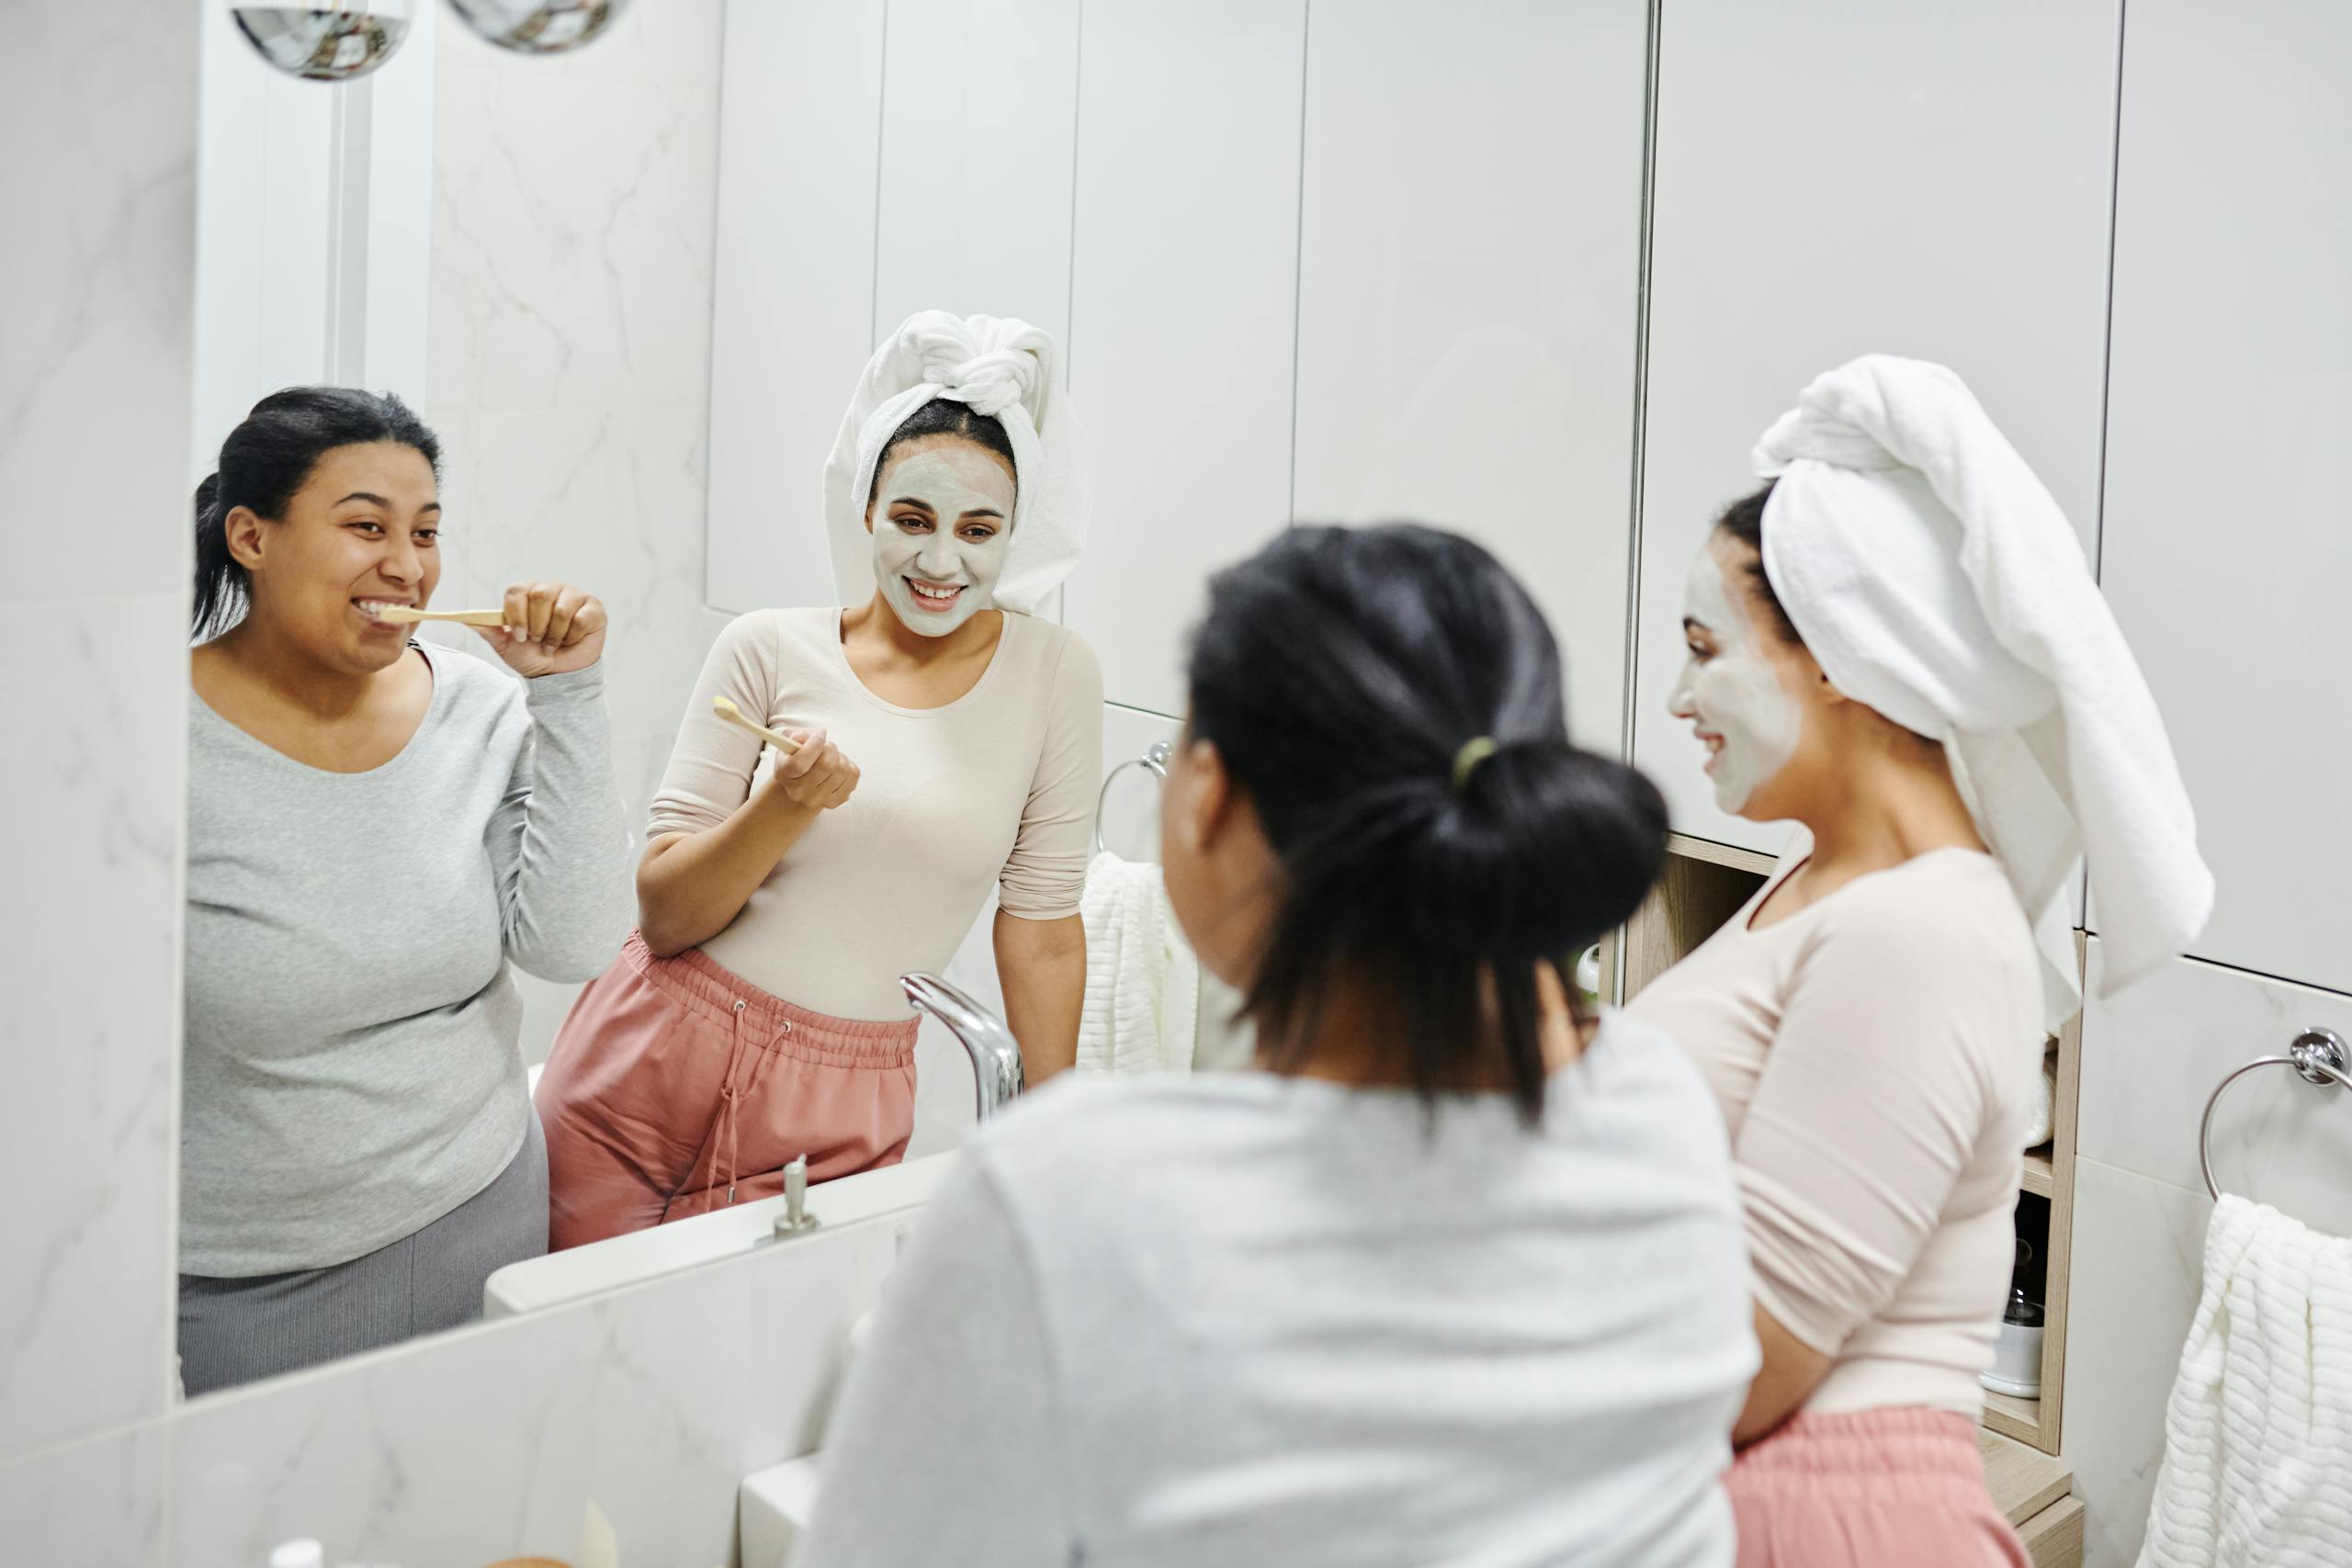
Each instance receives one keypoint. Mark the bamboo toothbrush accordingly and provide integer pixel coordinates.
(725, 708)
(409, 615)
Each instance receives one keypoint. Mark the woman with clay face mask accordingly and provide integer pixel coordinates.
(376, 830)
(950, 742)
(1902, 608)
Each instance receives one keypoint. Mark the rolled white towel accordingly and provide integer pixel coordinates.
(1142, 981)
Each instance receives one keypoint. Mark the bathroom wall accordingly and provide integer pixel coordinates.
(2225, 556)
(95, 373)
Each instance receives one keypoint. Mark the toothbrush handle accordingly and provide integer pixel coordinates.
(782, 742)
(402, 615)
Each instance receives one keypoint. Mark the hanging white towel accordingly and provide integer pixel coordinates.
(1936, 581)
(2258, 1433)
(1142, 980)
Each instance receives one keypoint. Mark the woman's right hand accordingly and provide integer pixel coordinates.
(817, 777)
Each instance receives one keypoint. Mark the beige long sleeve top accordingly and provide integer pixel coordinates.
(1874, 1056)
(995, 789)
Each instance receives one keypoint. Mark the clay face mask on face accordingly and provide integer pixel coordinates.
(1733, 695)
(941, 574)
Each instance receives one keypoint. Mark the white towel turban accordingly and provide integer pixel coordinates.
(1936, 581)
(1001, 367)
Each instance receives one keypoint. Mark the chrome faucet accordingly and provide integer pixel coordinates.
(996, 1056)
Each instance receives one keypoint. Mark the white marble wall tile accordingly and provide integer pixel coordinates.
(610, 499)
(2138, 1267)
(571, 231)
(2153, 1056)
(99, 276)
(652, 1403)
(92, 771)
(97, 1504)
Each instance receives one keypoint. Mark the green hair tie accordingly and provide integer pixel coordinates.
(1466, 760)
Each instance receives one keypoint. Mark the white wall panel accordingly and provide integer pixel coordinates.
(979, 134)
(1182, 313)
(1469, 277)
(2229, 468)
(793, 292)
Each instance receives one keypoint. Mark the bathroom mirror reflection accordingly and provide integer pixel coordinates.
(642, 771)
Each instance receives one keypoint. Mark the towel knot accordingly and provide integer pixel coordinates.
(990, 382)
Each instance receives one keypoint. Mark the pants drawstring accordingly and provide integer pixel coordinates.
(731, 1097)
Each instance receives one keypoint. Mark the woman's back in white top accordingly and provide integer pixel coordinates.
(1242, 1319)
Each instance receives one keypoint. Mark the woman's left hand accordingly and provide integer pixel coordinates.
(553, 629)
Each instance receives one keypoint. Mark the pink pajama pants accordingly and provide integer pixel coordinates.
(676, 1087)
(1900, 1488)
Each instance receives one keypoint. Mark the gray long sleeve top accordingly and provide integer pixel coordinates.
(352, 1068)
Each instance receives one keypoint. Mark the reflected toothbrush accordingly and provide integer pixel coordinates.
(725, 708)
(409, 615)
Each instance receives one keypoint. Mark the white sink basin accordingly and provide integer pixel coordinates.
(773, 1508)
(627, 1260)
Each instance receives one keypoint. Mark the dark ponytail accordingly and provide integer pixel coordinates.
(266, 461)
(1340, 672)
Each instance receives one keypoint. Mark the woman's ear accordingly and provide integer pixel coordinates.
(1202, 812)
(242, 529)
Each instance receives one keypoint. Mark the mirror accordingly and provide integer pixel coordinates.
(729, 389)
(423, 962)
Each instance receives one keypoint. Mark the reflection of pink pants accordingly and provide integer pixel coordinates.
(676, 1089)
(1867, 1489)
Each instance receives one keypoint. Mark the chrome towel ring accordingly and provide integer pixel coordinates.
(2318, 1053)
(1154, 761)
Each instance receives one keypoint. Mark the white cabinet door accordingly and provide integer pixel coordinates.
(1469, 294)
(1183, 316)
(792, 299)
(2229, 472)
(980, 128)
(1834, 179)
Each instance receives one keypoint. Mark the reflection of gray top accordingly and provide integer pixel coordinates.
(352, 1068)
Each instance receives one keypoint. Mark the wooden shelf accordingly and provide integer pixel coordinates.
(1702, 886)
(1754, 862)
(2035, 1492)
(2041, 1177)
(2024, 1481)
(2014, 1417)
(2053, 1537)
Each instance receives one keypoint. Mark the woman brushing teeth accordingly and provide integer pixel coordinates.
(376, 830)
